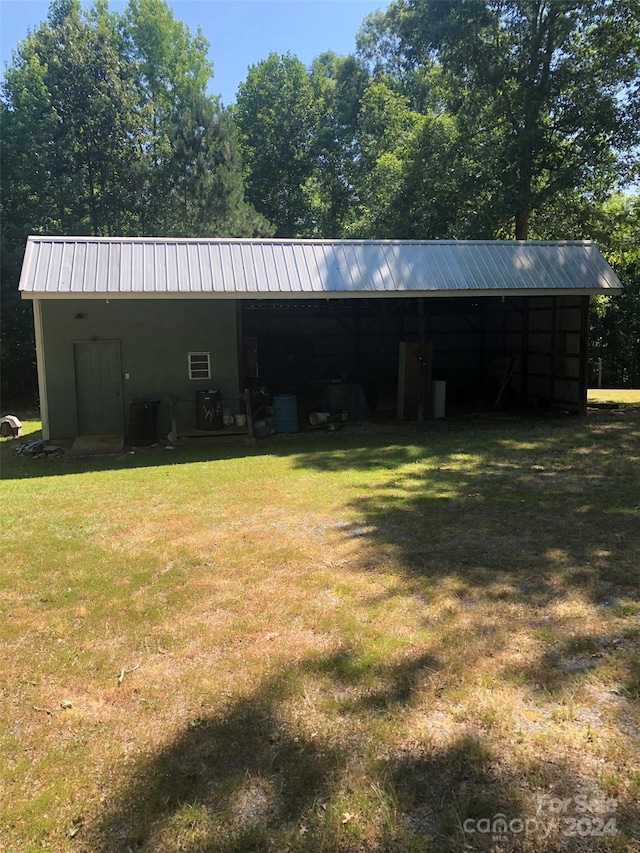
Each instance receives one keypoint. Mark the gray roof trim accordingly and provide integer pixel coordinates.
(134, 268)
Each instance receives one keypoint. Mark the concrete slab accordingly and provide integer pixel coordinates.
(97, 445)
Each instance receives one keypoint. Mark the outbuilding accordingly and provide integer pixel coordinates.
(119, 320)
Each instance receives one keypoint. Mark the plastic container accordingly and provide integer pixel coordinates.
(209, 412)
(438, 398)
(317, 418)
(285, 412)
(143, 422)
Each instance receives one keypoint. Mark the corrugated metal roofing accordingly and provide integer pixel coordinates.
(85, 267)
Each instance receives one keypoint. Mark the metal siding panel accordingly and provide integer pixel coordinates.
(327, 271)
(343, 267)
(436, 269)
(447, 277)
(403, 263)
(263, 256)
(156, 284)
(289, 269)
(53, 268)
(443, 276)
(149, 267)
(136, 268)
(217, 270)
(41, 267)
(89, 282)
(126, 269)
(168, 260)
(278, 268)
(237, 265)
(377, 271)
(99, 269)
(323, 272)
(249, 268)
(194, 279)
(225, 266)
(79, 266)
(206, 280)
(374, 269)
(298, 270)
(29, 266)
(281, 281)
(182, 268)
(484, 276)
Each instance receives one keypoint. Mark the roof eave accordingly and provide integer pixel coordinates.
(330, 294)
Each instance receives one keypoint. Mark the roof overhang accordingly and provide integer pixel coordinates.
(307, 297)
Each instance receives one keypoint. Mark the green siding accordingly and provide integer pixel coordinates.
(155, 337)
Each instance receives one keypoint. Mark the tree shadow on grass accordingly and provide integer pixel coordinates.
(526, 523)
(522, 515)
(257, 777)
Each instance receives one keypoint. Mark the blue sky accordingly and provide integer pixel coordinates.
(240, 32)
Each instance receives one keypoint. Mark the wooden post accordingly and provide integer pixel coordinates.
(421, 356)
(583, 389)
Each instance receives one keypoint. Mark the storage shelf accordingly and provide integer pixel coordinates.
(188, 430)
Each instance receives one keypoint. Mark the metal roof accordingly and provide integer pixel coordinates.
(156, 267)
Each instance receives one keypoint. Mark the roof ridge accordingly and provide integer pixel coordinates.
(85, 238)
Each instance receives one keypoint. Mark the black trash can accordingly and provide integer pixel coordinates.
(209, 410)
(143, 422)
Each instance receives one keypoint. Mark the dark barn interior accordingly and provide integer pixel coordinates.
(491, 351)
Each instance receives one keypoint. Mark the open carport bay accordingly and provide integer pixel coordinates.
(488, 350)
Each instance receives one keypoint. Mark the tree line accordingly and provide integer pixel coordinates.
(466, 119)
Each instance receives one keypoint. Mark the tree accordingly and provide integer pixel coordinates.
(338, 84)
(107, 129)
(200, 179)
(171, 71)
(615, 322)
(387, 130)
(74, 129)
(276, 114)
(547, 88)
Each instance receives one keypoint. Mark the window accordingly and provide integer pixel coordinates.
(199, 365)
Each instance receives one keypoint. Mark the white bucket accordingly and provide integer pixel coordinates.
(317, 418)
(241, 420)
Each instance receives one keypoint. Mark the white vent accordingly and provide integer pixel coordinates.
(199, 365)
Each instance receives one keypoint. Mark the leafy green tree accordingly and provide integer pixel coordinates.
(338, 83)
(547, 90)
(276, 113)
(18, 374)
(74, 128)
(107, 130)
(171, 69)
(615, 321)
(387, 128)
(70, 140)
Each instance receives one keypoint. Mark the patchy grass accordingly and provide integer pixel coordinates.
(371, 640)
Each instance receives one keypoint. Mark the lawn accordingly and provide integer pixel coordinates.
(622, 396)
(378, 639)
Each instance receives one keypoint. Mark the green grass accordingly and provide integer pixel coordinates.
(353, 641)
(625, 396)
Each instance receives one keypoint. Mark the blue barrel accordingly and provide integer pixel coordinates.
(285, 412)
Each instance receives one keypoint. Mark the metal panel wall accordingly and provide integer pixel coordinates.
(155, 338)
